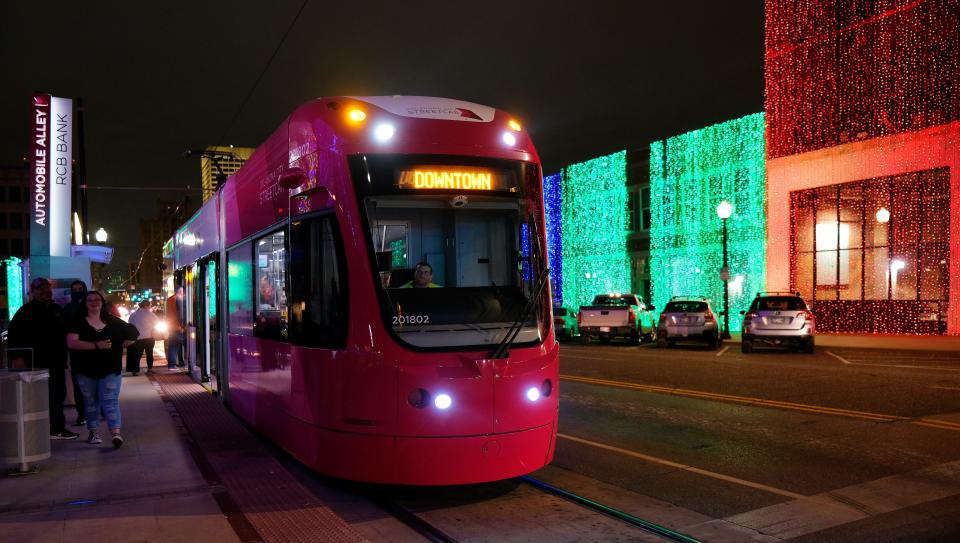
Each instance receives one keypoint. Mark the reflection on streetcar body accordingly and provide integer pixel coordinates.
(386, 307)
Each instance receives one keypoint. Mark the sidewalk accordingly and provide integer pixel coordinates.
(148, 490)
(188, 471)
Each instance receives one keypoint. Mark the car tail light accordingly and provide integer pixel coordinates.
(579, 318)
(663, 317)
(750, 316)
(709, 318)
(631, 317)
(805, 315)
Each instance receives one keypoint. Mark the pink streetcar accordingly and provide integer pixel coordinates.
(370, 290)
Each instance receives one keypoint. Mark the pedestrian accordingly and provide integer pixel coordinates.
(174, 332)
(145, 321)
(78, 291)
(96, 340)
(39, 325)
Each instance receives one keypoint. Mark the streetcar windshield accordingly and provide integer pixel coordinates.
(456, 249)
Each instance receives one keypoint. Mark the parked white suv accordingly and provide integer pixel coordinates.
(778, 319)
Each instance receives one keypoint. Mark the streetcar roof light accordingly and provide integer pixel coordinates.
(533, 394)
(356, 115)
(383, 132)
(509, 139)
(442, 401)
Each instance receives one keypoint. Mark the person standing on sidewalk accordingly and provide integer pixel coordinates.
(174, 332)
(96, 340)
(38, 325)
(78, 291)
(145, 321)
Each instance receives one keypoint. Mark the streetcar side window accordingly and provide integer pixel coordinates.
(271, 308)
(318, 290)
(239, 293)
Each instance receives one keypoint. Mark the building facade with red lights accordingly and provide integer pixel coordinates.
(863, 161)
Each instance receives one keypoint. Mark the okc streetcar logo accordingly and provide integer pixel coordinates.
(452, 180)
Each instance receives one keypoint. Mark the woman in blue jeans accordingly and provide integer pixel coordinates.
(96, 340)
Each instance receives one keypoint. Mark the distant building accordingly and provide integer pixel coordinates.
(154, 233)
(217, 164)
(14, 211)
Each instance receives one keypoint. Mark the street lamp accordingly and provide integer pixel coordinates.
(101, 236)
(723, 211)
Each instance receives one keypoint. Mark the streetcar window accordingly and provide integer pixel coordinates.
(456, 266)
(318, 304)
(239, 292)
(271, 310)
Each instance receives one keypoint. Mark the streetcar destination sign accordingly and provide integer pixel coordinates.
(452, 178)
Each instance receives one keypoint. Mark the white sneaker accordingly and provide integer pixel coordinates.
(94, 438)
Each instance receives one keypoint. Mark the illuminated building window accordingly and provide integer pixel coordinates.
(873, 255)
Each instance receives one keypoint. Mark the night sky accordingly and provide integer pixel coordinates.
(585, 78)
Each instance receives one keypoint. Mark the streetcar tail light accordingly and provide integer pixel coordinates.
(514, 125)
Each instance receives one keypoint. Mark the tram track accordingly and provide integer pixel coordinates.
(650, 527)
(434, 533)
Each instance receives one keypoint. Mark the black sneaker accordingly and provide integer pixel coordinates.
(117, 441)
(65, 434)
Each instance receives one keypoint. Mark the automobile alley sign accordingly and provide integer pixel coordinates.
(51, 173)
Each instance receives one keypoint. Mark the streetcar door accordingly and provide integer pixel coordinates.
(210, 322)
(190, 316)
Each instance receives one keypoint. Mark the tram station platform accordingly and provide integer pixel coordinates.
(188, 471)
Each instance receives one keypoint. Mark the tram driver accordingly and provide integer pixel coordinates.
(422, 277)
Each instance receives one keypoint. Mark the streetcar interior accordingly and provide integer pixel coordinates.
(456, 267)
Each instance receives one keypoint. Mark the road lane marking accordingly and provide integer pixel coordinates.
(684, 467)
(723, 350)
(908, 366)
(791, 406)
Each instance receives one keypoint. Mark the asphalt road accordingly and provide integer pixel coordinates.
(840, 445)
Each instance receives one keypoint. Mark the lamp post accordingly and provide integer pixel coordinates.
(723, 211)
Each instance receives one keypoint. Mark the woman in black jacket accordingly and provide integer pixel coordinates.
(96, 340)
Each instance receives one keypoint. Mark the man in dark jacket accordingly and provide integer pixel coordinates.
(38, 325)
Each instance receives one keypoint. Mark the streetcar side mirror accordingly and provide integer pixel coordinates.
(292, 178)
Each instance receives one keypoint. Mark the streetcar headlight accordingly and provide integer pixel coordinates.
(161, 327)
(533, 394)
(442, 401)
(383, 132)
(509, 139)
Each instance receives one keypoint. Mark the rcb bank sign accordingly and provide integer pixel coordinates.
(51, 172)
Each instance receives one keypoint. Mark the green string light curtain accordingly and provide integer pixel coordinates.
(690, 175)
(594, 229)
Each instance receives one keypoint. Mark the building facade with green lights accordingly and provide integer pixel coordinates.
(690, 175)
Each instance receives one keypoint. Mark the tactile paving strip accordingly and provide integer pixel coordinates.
(275, 504)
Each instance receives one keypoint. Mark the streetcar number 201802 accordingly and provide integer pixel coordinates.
(410, 319)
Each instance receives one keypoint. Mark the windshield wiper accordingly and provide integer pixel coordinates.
(502, 350)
